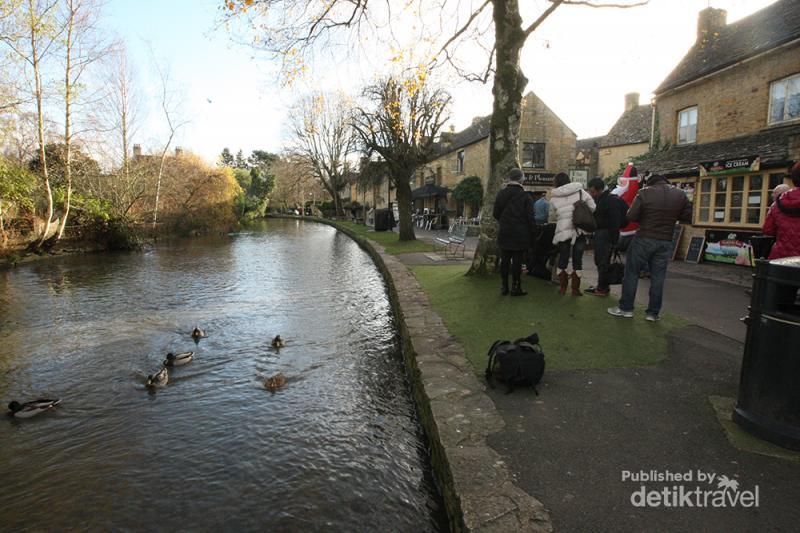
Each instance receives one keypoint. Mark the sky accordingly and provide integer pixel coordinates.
(580, 62)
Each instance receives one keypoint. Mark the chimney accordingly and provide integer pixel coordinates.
(137, 150)
(178, 151)
(475, 120)
(631, 101)
(710, 22)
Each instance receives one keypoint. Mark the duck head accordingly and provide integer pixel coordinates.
(14, 406)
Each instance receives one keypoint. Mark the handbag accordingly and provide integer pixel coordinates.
(616, 269)
(582, 216)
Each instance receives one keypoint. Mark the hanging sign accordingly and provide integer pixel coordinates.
(750, 163)
(532, 179)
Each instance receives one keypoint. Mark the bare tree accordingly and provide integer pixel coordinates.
(294, 30)
(400, 126)
(37, 35)
(320, 126)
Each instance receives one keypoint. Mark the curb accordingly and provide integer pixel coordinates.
(455, 411)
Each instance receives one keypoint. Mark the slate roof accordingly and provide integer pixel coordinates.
(632, 127)
(772, 145)
(764, 30)
(474, 133)
(585, 145)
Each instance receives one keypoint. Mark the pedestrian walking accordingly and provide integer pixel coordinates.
(608, 215)
(570, 240)
(513, 209)
(656, 208)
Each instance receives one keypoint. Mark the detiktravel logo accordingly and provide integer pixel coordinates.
(692, 488)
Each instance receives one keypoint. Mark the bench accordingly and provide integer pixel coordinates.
(454, 240)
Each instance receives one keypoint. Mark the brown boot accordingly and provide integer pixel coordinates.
(576, 284)
(563, 280)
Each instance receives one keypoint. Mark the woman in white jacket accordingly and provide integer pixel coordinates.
(569, 239)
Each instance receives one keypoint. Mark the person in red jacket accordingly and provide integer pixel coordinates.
(783, 220)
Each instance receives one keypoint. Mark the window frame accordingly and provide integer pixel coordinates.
(533, 145)
(461, 158)
(679, 126)
(786, 80)
(731, 218)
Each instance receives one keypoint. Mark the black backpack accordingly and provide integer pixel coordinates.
(619, 203)
(516, 363)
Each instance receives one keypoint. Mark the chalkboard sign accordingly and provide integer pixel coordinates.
(676, 239)
(695, 251)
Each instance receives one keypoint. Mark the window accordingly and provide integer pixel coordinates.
(784, 99)
(733, 200)
(687, 125)
(460, 162)
(533, 155)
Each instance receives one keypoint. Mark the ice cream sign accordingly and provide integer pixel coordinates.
(730, 166)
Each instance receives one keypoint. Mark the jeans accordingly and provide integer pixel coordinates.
(654, 254)
(602, 257)
(511, 259)
(564, 248)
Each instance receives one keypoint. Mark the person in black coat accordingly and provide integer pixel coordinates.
(513, 209)
(608, 215)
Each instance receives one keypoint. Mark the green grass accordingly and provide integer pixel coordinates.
(388, 239)
(575, 333)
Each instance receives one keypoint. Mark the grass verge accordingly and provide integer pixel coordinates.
(576, 333)
(388, 239)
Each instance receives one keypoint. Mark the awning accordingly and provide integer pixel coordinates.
(429, 190)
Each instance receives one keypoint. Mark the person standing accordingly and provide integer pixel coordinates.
(570, 240)
(783, 219)
(608, 216)
(541, 208)
(513, 209)
(656, 208)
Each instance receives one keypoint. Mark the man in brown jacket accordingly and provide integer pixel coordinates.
(656, 207)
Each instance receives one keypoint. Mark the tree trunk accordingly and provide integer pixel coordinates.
(509, 82)
(403, 197)
(40, 122)
(67, 120)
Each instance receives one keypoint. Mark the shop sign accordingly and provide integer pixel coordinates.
(580, 176)
(731, 166)
(544, 179)
(725, 246)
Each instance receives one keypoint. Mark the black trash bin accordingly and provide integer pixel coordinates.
(762, 245)
(382, 220)
(769, 387)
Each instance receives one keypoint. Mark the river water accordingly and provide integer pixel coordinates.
(338, 448)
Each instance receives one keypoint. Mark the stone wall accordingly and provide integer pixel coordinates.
(612, 157)
(729, 103)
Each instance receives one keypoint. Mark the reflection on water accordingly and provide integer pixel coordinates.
(337, 448)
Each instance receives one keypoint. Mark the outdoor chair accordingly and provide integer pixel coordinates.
(454, 240)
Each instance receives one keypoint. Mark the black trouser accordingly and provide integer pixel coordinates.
(602, 256)
(511, 259)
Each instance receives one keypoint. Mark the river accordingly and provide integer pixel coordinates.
(338, 448)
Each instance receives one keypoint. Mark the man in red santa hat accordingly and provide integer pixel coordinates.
(627, 186)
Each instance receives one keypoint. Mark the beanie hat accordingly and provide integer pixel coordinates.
(515, 174)
(655, 178)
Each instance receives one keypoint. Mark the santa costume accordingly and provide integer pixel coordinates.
(627, 186)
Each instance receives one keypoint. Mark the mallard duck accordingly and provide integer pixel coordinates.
(275, 382)
(277, 342)
(178, 359)
(159, 379)
(198, 333)
(29, 409)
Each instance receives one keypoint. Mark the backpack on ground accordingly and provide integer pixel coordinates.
(582, 216)
(516, 363)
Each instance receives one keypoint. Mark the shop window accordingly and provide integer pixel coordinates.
(687, 125)
(774, 181)
(733, 200)
(533, 155)
(784, 99)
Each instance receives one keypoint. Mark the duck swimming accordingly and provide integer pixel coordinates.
(198, 333)
(29, 409)
(178, 359)
(159, 379)
(275, 382)
(278, 342)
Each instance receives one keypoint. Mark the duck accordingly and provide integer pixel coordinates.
(178, 359)
(278, 342)
(275, 382)
(198, 333)
(29, 409)
(159, 379)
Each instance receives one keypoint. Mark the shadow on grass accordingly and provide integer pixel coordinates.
(388, 239)
(576, 333)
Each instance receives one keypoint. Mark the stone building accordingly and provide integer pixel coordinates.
(628, 137)
(546, 147)
(728, 123)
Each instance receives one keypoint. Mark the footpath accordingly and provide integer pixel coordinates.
(587, 444)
